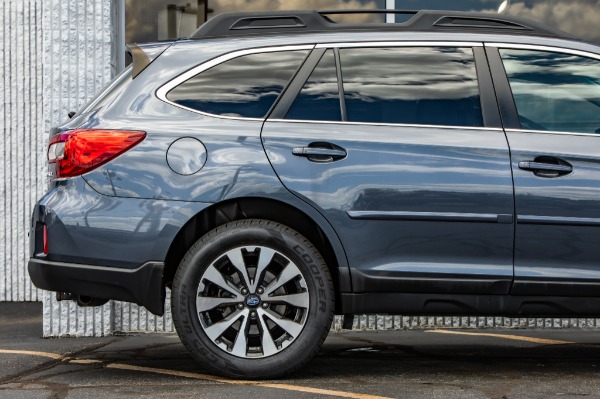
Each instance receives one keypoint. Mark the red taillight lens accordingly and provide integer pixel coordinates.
(79, 151)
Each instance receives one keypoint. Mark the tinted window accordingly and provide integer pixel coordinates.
(554, 91)
(319, 98)
(246, 86)
(413, 85)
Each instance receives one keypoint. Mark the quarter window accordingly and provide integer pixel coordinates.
(319, 99)
(246, 86)
(554, 91)
(411, 85)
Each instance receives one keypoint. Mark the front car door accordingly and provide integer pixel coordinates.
(553, 129)
(394, 144)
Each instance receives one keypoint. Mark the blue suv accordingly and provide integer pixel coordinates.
(278, 168)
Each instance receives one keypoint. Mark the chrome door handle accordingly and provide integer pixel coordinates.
(547, 167)
(323, 153)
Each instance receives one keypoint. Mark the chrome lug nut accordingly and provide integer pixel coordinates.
(244, 291)
(253, 314)
(260, 290)
(265, 305)
(240, 306)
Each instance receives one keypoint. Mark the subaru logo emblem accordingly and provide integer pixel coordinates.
(252, 301)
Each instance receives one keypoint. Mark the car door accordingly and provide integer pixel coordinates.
(394, 145)
(553, 128)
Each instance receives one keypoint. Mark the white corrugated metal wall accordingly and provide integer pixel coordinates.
(77, 59)
(21, 167)
(55, 55)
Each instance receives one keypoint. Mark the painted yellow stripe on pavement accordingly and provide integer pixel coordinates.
(199, 376)
(50, 355)
(505, 336)
(287, 387)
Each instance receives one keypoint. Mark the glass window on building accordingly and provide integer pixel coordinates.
(578, 17)
(152, 20)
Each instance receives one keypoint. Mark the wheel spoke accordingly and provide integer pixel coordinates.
(268, 345)
(224, 308)
(289, 326)
(240, 346)
(204, 303)
(217, 329)
(299, 300)
(214, 276)
(237, 260)
(289, 272)
(265, 257)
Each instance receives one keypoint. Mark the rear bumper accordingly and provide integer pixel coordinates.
(143, 285)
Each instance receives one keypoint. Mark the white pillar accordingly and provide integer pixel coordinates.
(76, 62)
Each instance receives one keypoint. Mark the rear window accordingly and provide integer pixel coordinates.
(246, 86)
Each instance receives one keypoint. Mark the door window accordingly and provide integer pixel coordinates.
(411, 85)
(554, 91)
(319, 99)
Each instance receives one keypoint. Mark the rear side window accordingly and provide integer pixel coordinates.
(411, 85)
(554, 91)
(319, 99)
(245, 86)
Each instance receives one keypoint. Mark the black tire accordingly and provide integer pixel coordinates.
(313, 285)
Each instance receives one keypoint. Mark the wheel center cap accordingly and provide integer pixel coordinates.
(252, 301)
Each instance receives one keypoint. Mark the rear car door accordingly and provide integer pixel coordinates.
(394, 144)
(553, 128)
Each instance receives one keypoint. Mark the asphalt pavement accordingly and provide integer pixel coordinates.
(496, 364)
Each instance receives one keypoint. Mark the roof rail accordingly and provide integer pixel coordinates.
(311, 21)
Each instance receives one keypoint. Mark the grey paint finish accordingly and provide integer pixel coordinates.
(407, 169)
(557, 234)
(109, 231)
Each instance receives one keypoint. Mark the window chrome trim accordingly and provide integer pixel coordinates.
(163, 90)
(387, 124)
(552, 49)
(552, 132)
(401, 43)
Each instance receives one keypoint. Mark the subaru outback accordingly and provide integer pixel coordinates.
(278, 168)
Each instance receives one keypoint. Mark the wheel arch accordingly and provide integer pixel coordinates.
(300, 217)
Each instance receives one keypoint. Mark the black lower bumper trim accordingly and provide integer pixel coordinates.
(143, 285)
(408, 304)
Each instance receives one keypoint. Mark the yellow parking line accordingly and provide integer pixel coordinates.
(50, 355)
(505, 336)
(199, 376)
(287, 387)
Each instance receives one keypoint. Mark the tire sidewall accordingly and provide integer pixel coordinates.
(253, 233)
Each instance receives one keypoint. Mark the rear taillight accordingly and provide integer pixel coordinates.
(79, 151)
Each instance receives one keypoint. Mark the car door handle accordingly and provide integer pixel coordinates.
(554, 168)
(321, 153)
